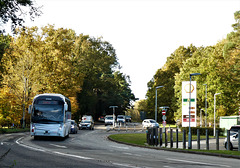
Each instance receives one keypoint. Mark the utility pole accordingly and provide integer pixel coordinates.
(113, 107)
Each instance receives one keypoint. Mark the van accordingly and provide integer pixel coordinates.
(87, 118)
(109, 120)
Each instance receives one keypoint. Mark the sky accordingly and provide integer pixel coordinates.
(143, 32)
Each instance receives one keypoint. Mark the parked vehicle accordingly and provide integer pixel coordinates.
(101, 119)
(148, 123)
(121, 119)
(109, 120)
(233, 141)
(128, 118)
(74, 127)
(86, 124)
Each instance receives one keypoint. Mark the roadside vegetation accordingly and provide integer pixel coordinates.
(46, 59)
(13, 130)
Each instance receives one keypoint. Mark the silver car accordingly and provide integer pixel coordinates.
(148, 123)
(233, 141)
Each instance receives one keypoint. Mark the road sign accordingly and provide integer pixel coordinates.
(164, 117)
(164, 123)
(163, 112)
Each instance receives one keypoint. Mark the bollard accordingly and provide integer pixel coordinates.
(147, 136)
(228, 139)
(217, 139)
(156, 136)
(184, 139)
(238, 141)
(198, 139)
(207, 140)
(151, 136)
(166, 140)
(171, 138)
(160, 137)
(176, 138)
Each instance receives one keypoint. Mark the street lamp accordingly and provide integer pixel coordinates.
(205, 106)
(214, 129)
(189, 117)
(113, 107)
(156, 102)
(201, 118)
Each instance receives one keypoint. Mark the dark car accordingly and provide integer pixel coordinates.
(86, 124)
(74, 128)
(101, 119)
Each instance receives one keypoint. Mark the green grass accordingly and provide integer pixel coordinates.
(140, 139)
(13, 130)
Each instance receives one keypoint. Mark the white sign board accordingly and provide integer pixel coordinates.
(185, 103)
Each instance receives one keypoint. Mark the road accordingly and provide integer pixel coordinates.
(93, 149)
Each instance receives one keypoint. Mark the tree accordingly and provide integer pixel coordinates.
(166, 77)
(13, 10)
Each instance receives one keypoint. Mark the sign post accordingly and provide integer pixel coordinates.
(164, 110)
(185, 104)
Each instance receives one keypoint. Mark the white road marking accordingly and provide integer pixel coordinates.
(125, 165)
(131, 154)
(188, 161)
(59, 146)
(70, 155)
(119, 147)
(29, 147)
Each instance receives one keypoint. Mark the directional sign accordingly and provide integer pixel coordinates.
(164, 117)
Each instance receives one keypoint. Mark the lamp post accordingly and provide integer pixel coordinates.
(189, 117)
(201, 118)
(113, 107)
(214, 129)
(205, 106)
(156, 102)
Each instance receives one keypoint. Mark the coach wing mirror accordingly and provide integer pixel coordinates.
(29, 109)
(65, 107)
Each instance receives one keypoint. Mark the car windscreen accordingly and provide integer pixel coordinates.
(234, 130)
(85, 121)
(152, 121)
(109, 118)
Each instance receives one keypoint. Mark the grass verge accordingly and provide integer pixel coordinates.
(13, 130)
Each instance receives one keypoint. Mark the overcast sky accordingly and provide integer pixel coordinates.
(143, 32)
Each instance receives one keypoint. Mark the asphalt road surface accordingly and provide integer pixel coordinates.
(93, 149)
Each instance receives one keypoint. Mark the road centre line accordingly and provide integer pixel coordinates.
(194, 162)
(119, 147)
(76, 156)
(59, 146)
(131, 154)
(126, 165)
